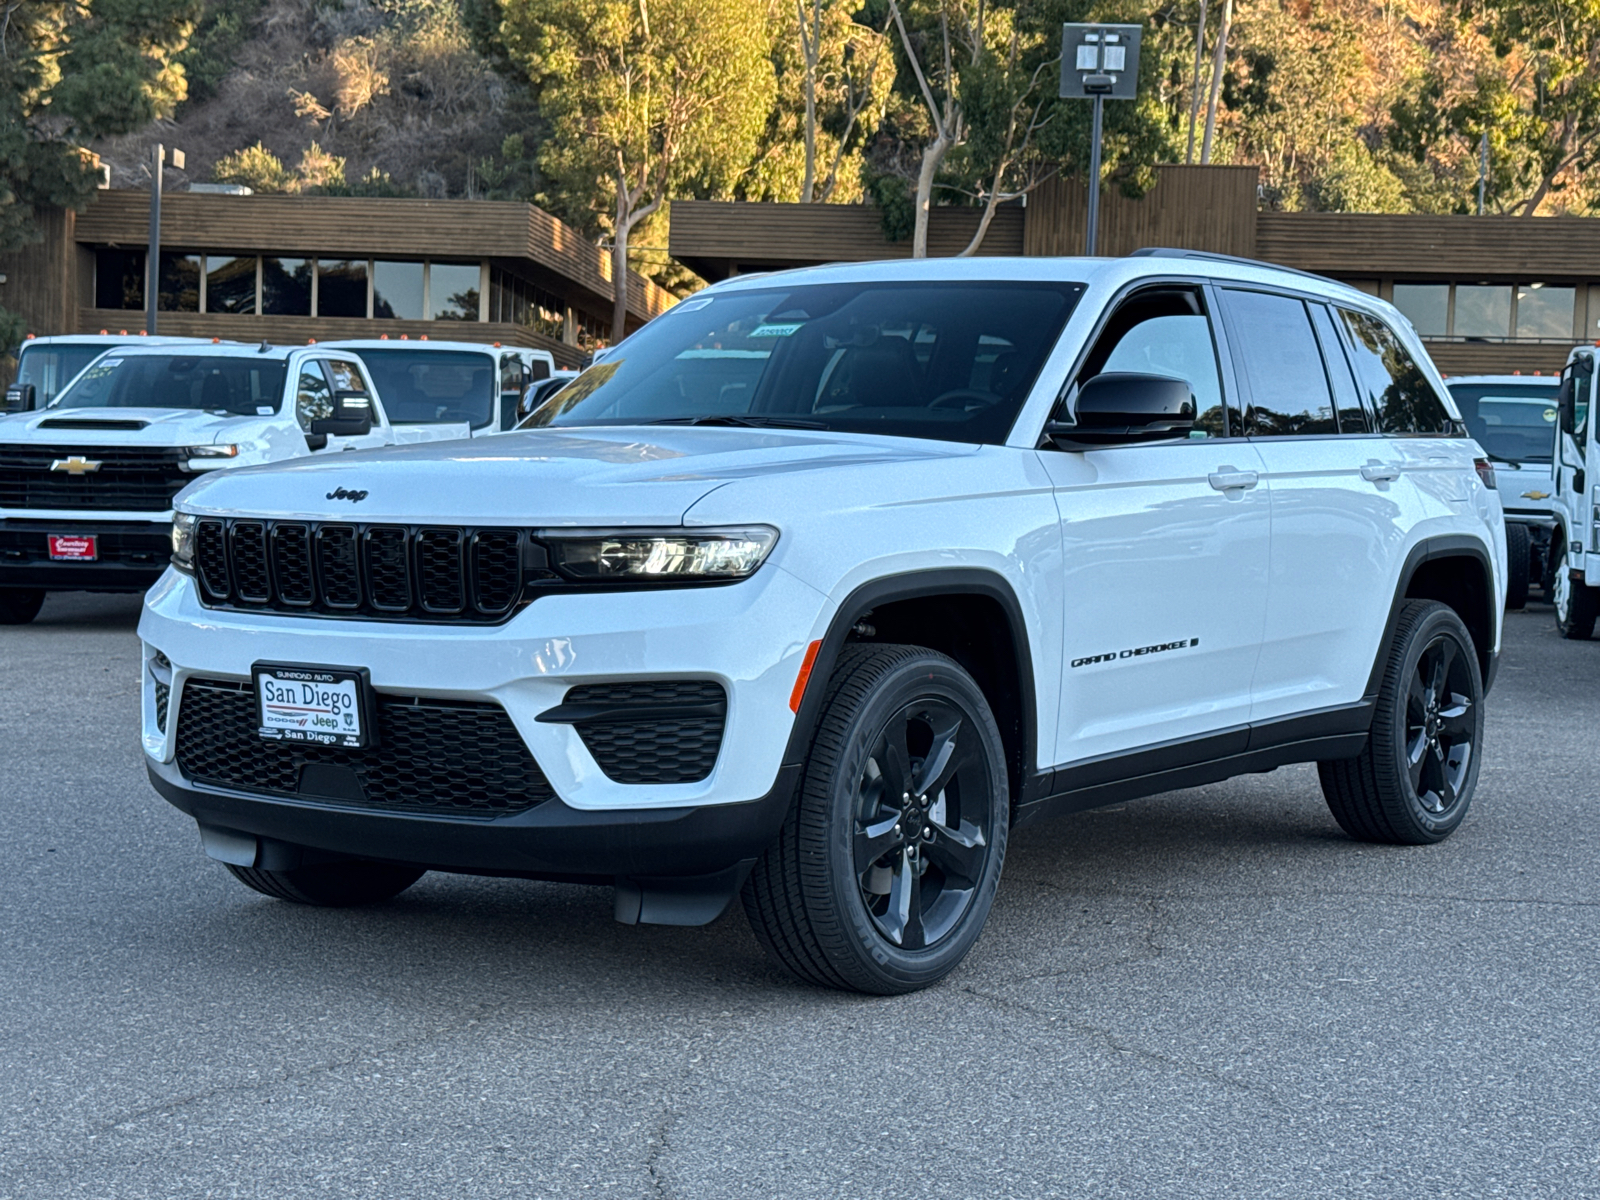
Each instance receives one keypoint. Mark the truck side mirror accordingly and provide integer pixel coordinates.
(352, 416)
(19, 398)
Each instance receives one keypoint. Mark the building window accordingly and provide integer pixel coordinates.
(453, 291)
(397, 290)
(1489, 311)
(342, 288)
(1426, 306)
(515, 301)
(230, 284)
(286, 286)
(593, 332)
(1483, 310)
(1544, 311)
(179, 288)
(119, 279)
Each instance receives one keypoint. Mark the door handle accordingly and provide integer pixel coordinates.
(1377, 472)
(1227, 479)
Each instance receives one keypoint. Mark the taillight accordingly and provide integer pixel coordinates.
(1485, 470)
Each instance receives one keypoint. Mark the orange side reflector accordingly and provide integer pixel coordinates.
(804, 677)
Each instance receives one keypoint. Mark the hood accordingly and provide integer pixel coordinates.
(595, 476)
(115, 427)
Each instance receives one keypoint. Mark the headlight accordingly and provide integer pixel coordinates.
(225, 451)
(183, 541)
(645, 555)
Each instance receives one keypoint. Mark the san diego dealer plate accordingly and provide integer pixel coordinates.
(325, 705)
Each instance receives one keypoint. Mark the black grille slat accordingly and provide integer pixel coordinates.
(291, 564)
(338, 565)
(388, 568)
(497, 568)
(211, 557)
(163, 692)
(654, 747)
(130, 479)
(247, 555)
(439, 574)
(433, 756)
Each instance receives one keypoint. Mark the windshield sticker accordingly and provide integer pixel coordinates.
(1550, 416)
(110, 362)
(776, 329)
(264, 410)
(696, 305)
(724, 354)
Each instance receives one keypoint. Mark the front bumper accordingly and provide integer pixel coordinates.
(132, 555)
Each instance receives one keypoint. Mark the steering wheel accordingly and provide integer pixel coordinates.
(966, 399)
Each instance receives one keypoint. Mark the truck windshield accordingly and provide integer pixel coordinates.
(1513, 422)
(946, 360)
(51, 367)
(434, 387)
(239, 386)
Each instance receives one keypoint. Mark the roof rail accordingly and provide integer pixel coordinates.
(1236, 259)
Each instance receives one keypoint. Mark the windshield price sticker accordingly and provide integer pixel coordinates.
(309, 704)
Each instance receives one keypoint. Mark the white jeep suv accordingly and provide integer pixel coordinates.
(829, 580)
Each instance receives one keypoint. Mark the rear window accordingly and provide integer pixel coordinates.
(1513, 422)
(241, 386)
(952, 361)
(434, 387)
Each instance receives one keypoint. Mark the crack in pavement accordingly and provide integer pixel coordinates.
(1297, 895)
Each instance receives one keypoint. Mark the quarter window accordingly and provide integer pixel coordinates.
(1353, 417)
(1282, 366)
(1389, 379)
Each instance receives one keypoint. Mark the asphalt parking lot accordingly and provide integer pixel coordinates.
(1213, 993)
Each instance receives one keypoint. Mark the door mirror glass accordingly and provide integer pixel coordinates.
(352, 416)
(1124, 406)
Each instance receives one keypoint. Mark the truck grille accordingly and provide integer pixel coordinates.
(433, 756)
(665, 731)
(128, 479)
(333, 568)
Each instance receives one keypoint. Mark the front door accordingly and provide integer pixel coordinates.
(1572, 479)
(1165, 552)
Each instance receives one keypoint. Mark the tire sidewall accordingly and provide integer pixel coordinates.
(933, 677)
(1434, 827)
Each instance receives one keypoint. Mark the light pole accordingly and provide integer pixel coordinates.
(1098, 62)
(152, 263)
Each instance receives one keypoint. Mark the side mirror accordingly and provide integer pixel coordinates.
(352, 416)
(19, 398)
(1117, 407)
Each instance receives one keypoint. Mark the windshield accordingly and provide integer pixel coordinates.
(433, 387)
(241, 386)
(51, 368)
(948, 360)
(1513, 422)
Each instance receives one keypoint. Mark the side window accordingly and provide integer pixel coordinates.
(1389, 379)
(513, 374)
(1165, 331)
(313, 400)
(1282, 366)
(1582, 387)
(346, 375)
(1346, 400)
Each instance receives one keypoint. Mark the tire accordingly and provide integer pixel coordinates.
(18, 606)
(331, 885)
(1413, 783)
(821, 902)
(1576, 604)
(1518, 566)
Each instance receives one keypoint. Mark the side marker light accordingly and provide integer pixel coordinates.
(804, 677)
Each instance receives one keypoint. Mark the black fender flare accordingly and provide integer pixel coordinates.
(1449, 545)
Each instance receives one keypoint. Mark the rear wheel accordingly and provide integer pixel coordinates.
(1518, 566)
(331, 885)
(1576, 605)
(18, 606)
(1414, 781)
(883, 874)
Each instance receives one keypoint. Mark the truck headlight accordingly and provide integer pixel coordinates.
(664, 555)
(183, 540)
(222, 451)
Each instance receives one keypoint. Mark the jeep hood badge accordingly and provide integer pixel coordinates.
(355, 497)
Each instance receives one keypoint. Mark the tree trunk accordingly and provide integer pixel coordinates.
(983, 221)
(1217, 63)
(810, 50)
(932, 157)
(619, 283)
(1199, 61)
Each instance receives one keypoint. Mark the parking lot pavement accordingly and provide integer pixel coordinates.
(1213, 993)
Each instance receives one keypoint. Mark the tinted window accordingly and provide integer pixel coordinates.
(1544, 311)
(180, 283)
(242, 386)
(1391, 382)
(1282, 366)
(51, 368)
(342, 289)
(1164, 331)
(230, 284)
(119, 279)
(937, 360)
(1513, 422)
(397, 290)
(432, 387)
(286, 286)
(1426, 306)
(453, 291)
(1483, 310)
(1353, 418)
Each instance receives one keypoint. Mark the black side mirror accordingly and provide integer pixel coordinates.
(352, 416)
(19, 398)
(1123, 406)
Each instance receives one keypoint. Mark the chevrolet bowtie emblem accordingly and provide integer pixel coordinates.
(76, 464)
(1536, 495)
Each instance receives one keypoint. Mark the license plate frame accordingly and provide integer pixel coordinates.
(342, 697)
(73, 547)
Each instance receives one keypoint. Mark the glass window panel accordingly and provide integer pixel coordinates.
(346, 376)
(51, 368)
(1389, 378)
(397, 290)
(246, 387)
(342, 288)
(286, 287)
(1544, 312)
(1175, 345)
(119, 279)
(1483, 310)
(428, 387)
(230, 284)
(453, 291)
(179, 290)
(1283, 366)
(1515, 422)
(313, 399)
(1426, 306)
(1352, 416)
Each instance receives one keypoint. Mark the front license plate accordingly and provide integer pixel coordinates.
(72, 547)
(326, 705)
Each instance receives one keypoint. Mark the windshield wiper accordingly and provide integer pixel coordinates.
(748, 421)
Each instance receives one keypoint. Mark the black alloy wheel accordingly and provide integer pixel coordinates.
(1441, 725)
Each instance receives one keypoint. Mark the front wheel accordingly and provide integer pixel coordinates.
(1414, 781)
(18, 606)
(883, 874)
(1576, 605)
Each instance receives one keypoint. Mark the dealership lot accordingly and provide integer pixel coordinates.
(1209, 993)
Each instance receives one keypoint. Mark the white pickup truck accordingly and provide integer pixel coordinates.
(86, 485)
(474, 386)
(1575, 544)
(45, 365)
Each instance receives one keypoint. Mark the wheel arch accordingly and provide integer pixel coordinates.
(1457, 571)
(956, 611)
